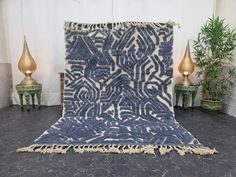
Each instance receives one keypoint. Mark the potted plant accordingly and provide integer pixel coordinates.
(213, 51)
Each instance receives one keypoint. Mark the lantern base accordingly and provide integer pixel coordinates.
(186, 82)
(28, 80)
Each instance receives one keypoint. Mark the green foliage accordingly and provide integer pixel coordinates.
(213, 52)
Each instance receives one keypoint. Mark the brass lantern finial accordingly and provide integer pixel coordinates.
(27, 65)
(186, 67)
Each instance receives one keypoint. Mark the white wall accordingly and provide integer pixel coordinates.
(43, 26)
(226, 9)
(3, 48)
(5, 71)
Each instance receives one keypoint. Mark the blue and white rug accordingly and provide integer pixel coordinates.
(118, 93)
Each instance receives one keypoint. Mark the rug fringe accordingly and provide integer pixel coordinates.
(88, 26)
(49, 149)
(128, 149)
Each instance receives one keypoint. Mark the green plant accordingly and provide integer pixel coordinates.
(213, 52)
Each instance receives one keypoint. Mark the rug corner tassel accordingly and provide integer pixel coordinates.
(173, 23)
(45, 149)
(25, 149)
(206, 151)
(182, 150)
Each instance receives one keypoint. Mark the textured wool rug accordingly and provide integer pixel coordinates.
(118, 93)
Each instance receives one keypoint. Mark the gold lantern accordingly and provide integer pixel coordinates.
(186, 67)
(27, 65)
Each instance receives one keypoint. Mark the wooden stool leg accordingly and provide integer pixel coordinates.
(177, 98)
(27, 99)
(39, 98)
(21, 102)
(185, 100)
(32, 95)
(193, 98)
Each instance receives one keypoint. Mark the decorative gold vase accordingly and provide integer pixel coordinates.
(27, 65)
(186, 67)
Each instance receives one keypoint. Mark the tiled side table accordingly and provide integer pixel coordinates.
(29, 91)
(187, 92)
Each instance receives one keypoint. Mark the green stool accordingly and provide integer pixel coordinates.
(29, 91)
(186, 93)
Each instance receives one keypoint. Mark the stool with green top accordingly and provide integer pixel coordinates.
(187, 92)
(27, 92)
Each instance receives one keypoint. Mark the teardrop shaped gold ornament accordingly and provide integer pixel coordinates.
(27, 65)
(186, 67)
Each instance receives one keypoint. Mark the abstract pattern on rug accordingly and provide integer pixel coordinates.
(118, 93)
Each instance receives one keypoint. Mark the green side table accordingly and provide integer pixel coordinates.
(187, 92)
(29, 91)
